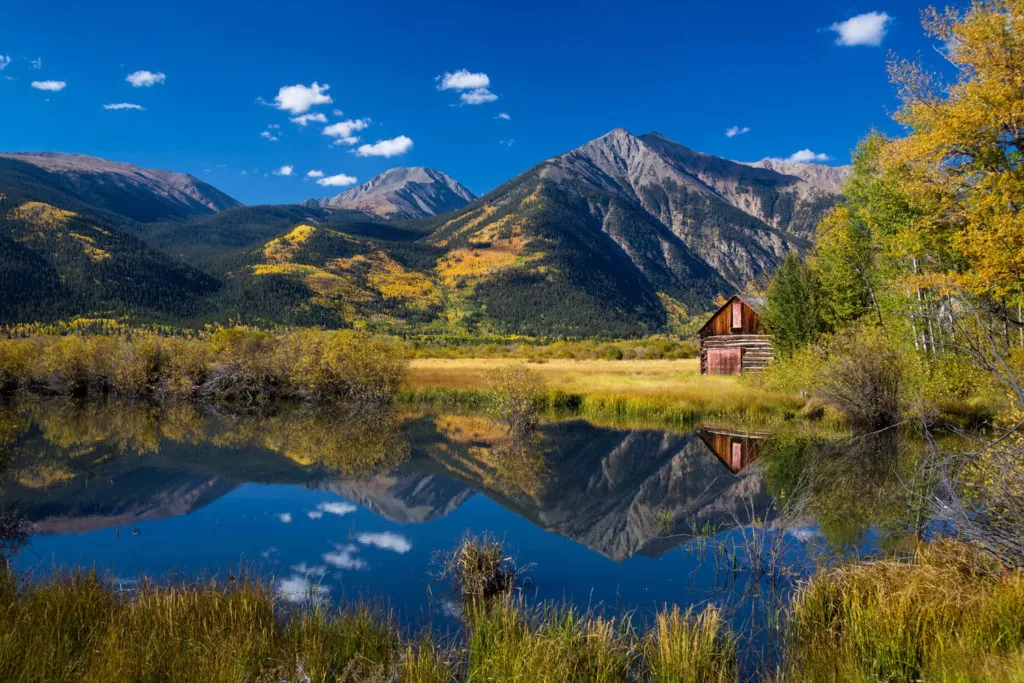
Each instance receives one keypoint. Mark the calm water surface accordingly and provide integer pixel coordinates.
(359, 506)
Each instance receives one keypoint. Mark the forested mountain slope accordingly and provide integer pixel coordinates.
(56, 264)
(623, 236)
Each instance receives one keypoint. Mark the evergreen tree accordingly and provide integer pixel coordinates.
(792, 310)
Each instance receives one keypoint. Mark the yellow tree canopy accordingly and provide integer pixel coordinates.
(960, 164)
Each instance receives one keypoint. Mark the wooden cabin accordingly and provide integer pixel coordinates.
(733, 340)
(736, 450)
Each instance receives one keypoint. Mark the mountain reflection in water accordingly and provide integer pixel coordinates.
(360, 504)
(79, 467)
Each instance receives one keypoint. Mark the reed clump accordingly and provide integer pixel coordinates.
(948, 615)
(478, 570)
(685, 647)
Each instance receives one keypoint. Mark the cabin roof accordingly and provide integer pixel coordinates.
(755, 302)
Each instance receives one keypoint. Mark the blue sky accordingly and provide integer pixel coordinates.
(563, 73)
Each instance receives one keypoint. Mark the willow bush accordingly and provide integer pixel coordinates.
(232, 364)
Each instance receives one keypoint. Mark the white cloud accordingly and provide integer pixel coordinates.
(298, 588)
(340, 180)
(245, 173)
(386, 148)
(145, 79)
(863, 29)
(4, 62)
(344, 130)
(338, 112)
(803, 533)
(316, 117)
(315, 173)
(507, 143)
(806, 156)
(268, 135)
(51, 86)
(284, 517)
(345, 557)
(463, 80)
(478, 96)
(503, 116)
(474, 87)
(314, 514)
(736, 130)
(285, 170)
(298, 99)
(336, 508)
(124, 105)
(275, 126)
(386, 541)
(36, 63)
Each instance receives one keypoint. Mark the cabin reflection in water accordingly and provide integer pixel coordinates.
(738, 450)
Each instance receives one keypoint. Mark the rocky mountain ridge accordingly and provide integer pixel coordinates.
(142, 194)
(405, 192)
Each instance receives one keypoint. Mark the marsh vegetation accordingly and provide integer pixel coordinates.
(234, 364)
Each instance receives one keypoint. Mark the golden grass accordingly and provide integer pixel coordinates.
(658, 391)
(76, 628)
(949, 615)
(584, 376)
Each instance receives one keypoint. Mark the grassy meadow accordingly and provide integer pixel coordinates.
(641, 392)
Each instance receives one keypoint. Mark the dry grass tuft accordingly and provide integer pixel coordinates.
(943, 617)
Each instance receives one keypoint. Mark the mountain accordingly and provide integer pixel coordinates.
(413, 192)
(140, 194)
(824, 179)
(618, 235)
(623, 236)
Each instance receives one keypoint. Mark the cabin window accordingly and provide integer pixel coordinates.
(725, 361)
(737, 315)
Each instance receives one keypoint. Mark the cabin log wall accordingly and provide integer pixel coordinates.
(757, 350)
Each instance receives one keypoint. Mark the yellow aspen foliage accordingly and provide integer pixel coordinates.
(960, 164)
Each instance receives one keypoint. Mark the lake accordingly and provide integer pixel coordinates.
(361, 506)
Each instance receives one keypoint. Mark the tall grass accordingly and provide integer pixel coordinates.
(622, 409)
(76, 628)
(509, 642)
(946, 616)
(684, 648)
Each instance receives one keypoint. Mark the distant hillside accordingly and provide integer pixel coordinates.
(214, 242)
(139, 194)
(56, 263)
(414, 192)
